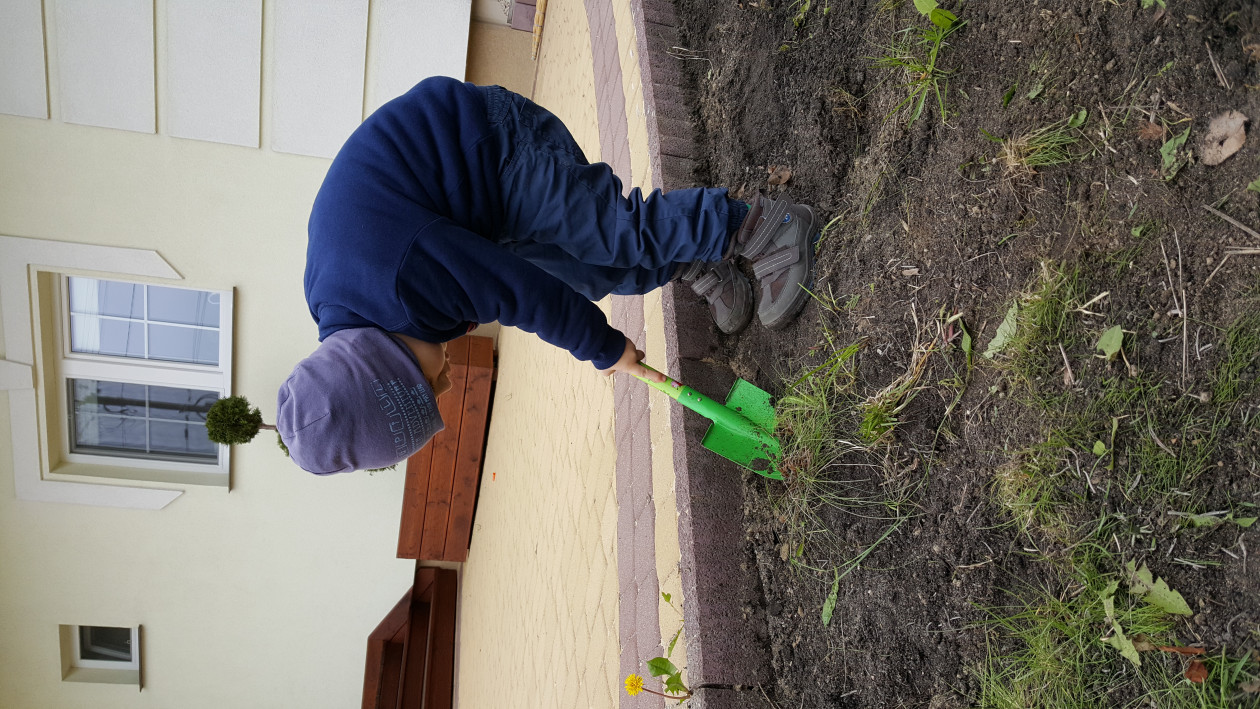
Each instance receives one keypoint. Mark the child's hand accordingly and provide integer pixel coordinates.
(630, 364)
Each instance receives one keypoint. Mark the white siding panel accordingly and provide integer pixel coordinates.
(317, 94)
(414, 40)
(23, 82)
(105, 63)
(213, 70)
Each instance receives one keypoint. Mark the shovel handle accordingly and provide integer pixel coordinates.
(711, 409)
(670, 387)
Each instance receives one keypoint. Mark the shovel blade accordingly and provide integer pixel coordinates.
(750, 443)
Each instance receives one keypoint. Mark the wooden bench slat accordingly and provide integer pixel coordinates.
(442, 479)
(445, 449)
(415, 498)
(415, 654)
(384, 655)
(413, 664)
(440, 673)
(472, 441)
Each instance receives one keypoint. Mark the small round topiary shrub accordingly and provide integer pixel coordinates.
(232, 421)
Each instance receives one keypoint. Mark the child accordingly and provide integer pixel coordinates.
(456, 204)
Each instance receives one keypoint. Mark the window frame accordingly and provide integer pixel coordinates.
(76, 651)
(79, 365)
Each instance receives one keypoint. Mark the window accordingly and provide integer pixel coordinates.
(141, 365)
(106, 648)
(103, 654)
(32, 307)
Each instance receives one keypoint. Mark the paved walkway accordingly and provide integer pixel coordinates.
(576, 536)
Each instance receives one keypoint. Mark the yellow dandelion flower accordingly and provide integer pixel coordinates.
(634, 684)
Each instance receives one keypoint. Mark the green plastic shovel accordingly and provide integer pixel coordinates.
(742, 430)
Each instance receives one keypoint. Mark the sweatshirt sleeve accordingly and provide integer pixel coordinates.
(451, 276)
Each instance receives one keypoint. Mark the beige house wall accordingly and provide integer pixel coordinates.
(262, 596)
(258, 597)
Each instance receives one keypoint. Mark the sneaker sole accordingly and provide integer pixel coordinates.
(798, 301)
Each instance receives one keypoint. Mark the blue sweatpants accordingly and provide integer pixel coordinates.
(569, 217)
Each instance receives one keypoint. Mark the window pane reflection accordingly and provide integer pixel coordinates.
(144, 322)
(140, 421)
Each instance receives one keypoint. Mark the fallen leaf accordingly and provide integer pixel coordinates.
(1117, 638)
(1225, 135)
(1004, 333)
(1142, 644)
(1155, 591)
(829, 606)
(910, 272)
(1181, 650)
(1111, 342)
(1252, 687)
(1197, 671)
(1172, 156)
(779, 174)
(1127, 650)
(1151, 131)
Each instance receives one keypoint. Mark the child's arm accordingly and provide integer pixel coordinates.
(451, 275)
(631, 362)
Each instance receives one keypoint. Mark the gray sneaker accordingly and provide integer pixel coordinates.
(727, 291)
(778, 237)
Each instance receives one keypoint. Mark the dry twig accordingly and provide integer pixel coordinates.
(1220, 75)
(1069, 379)
(1233, 221)
(1185, 316)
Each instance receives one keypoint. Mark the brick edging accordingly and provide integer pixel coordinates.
(726, 634)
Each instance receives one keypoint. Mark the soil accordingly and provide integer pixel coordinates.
(924, 219)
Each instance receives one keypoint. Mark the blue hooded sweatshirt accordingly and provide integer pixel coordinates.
(402, 235)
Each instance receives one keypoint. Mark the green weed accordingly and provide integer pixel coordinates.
(915, 52)
(1048, 652)
(1220, 690)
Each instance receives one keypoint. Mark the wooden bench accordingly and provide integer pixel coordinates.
(411, 653)
(442, 478)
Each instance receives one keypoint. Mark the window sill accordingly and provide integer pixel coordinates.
(99, 676)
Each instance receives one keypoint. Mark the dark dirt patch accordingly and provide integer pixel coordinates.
(935, 197)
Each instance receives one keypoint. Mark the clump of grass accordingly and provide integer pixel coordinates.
(1054, 649)
(1220, 690)
(915, 52)
(1044, 652)
(1173, 446)
(879, 412)
(1031, 488)
(810, 419)
(1022, 155)
(827, 464)
(1043, 324)
(1242, 348)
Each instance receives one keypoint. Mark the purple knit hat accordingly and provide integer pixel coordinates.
(358, 402)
